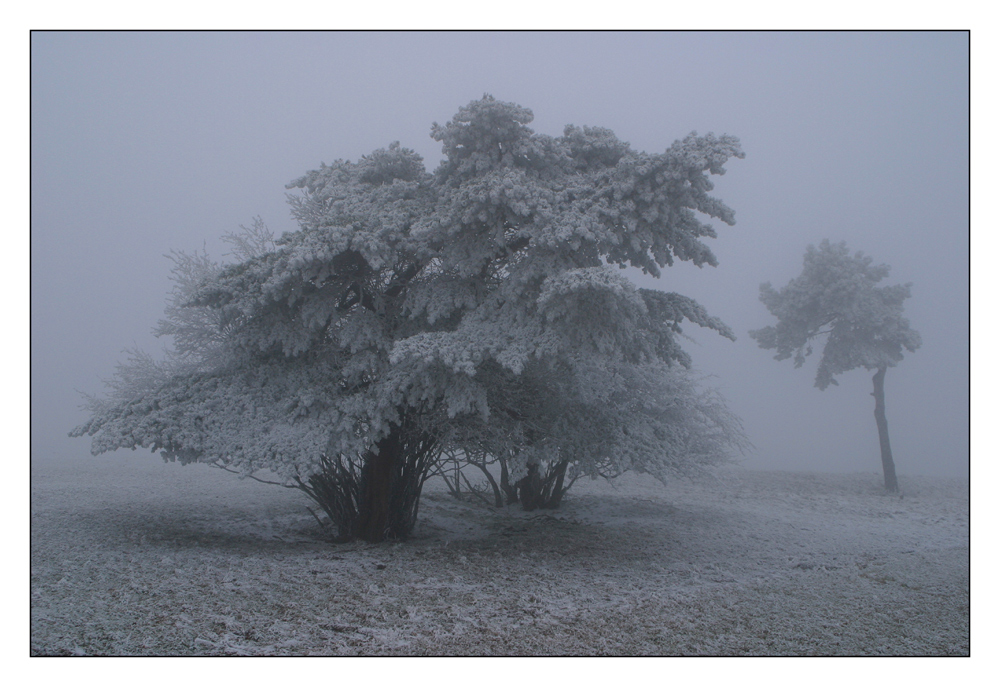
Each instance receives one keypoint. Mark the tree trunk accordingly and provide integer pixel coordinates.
(509, 490)
(376, 494)
(888, 467)
(536, 491)
(529, 489)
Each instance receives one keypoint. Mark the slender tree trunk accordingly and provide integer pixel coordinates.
(888, 467)
(497, 494)
(509, 490)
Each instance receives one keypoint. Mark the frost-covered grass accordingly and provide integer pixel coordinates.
(134, 557)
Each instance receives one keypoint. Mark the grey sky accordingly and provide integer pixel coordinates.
(143, 143)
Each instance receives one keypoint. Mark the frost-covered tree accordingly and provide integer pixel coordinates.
(836, 298)
(478, 311)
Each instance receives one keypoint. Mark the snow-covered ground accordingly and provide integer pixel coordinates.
(130, 556)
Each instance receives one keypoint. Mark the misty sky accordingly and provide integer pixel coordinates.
(143, 143)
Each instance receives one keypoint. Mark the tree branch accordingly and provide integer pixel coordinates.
(251, 476)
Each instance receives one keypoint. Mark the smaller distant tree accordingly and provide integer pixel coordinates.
(836, 298)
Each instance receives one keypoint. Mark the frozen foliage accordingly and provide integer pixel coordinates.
(836, 298)
(476, 310)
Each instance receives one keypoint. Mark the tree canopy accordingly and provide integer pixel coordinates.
(481, 308)
(836, 296)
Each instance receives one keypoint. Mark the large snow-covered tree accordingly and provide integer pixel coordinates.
(836, 299)
(478, 310)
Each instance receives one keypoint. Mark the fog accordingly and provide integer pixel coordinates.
(152, 142)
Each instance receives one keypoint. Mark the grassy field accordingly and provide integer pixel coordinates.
(130, 556)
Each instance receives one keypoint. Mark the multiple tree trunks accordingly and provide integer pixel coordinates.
(888, 467)
(379, 501)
